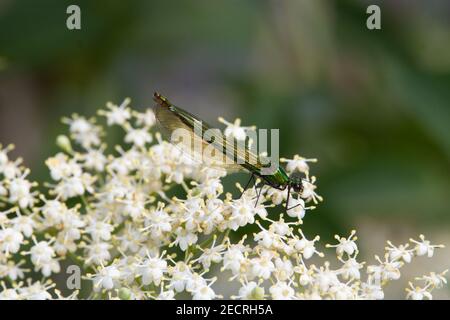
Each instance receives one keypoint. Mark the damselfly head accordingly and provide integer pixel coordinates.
(296, 182)
(159, 98)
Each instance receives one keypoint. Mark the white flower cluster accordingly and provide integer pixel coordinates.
(114, 213)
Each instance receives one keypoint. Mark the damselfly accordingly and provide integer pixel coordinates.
(172, 118)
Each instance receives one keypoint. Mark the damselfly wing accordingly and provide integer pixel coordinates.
(201, 142)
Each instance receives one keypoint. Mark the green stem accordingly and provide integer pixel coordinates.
(85, 202)
(185, 187)
(225, 236)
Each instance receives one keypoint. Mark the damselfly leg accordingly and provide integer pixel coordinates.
(287, 201)
(252, 178)
(288, 196)
(261, 185)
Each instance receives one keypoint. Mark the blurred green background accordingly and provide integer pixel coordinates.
(372, 106)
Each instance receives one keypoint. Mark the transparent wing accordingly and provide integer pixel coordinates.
(185, 132)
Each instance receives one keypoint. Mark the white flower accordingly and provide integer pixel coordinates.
(36, 291)
(120, 165)
(309, 192)
(282, 291)
(305, 246)
(280, 227)
(350, 269)
(79, 125)
(133, 204)
(306, 276)
(166, 295)
(195, 281)
(211, 255)
(342, 291)
(204, 292)
(12, 270)
(157, 222)
(297, 164)
(99, 230)
(42, 256)
(345, 245)
(265, 238)
(435, 280)
(233, 258)
(235, 130)
(424, 247)
(283, 269)
(98, 252)
(371, 291)
(4, 155)
(251, 291)
(277, 196)
(139, 137)
(75, 186)
(72, 222)
(326, 278)
(24, 224)
(242, 213)
(84, 132)
(70, 188)
(417, 293)
(131, 239)
(152, 269)
(180, 275)
(62, 167)
(385, 271)
(20, 191)
(106, 278)
(214, 218)
(117, 114)
(400, 252)
(11, 169)
(211, 188)
(53, 212)
(146, 119)
(9, 294)
(185, 238)
(296, 208)
(10, 240)
(95, 159)
(263, 266)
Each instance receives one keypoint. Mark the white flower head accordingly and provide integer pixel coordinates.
(298, 163)
(106, 278)
(424, 247)
(117, 114)
(345, 245)
(154, 223)
(282, 291)
(235, 129)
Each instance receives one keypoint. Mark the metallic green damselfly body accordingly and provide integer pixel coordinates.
(171, 118)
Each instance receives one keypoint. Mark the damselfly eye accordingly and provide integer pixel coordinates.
(298, 187)
(296, 182)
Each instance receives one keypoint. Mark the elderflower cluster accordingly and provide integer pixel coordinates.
(114, 213)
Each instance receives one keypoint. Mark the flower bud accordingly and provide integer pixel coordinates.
(257, 293)
(64, 143)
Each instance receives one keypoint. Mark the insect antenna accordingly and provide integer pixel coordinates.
(288, 195)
